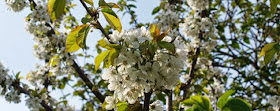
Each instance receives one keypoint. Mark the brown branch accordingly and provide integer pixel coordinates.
(147, 97)
(83, 76)
(191, 72)
(43, 103)
(75, 65)
(168, 100)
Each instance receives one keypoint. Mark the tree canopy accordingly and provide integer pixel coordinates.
(196, 55)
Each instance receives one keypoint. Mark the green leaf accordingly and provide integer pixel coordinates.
(152, 47)
(99, 58)
(188, 102)
(236, 104)
(112, 18)
(266, 49)
(113, 5)
(122, 106)
(273, 6)
(235, 44)
(85, 20)
(17, 75)
(54, 60)
(246, 40)
(269, 55)
(224, 98)
(207, 103)
(102, 3)
(56, 8)
(110, 5)
(199, 101)
(277, 47)
(169, 46)
(76, 38)
(89, 2)
(156, 10)
(196, 108)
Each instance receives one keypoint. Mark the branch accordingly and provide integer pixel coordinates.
(168, 100)
(80, 72)
(191, 72)
(99, 26)
(43, 103)
(147, 97)
(83, 76)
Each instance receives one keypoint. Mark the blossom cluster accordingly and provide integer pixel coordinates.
(12, 95)
(198, 30)
(48, 44)
(198, 4)
(168, 18)
(275, 102)
(135, 72)
(156, 106)
(16, 5)
(34, 103)
(194, 24)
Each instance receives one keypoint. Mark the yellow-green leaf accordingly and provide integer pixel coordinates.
(82, 35)
(154, 31)
(273, 6)
(112, 55)
(56, 8)
(269, 55)
(103, 44)
(106, 45)
(122, 106)
(110, 5)
(99, 58)
(27, 76)
(113, 5)
(89, 2)
(267, 48)
(54, 60)
(75, 37)
(112, 18)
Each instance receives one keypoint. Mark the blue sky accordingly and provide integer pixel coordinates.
(16, 44)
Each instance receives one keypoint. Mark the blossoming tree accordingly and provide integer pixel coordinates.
(193, 56)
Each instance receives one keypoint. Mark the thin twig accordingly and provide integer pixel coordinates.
(99, 26)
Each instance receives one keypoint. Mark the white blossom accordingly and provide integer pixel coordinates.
(16, 5)
(156, 106)
(275, 102)
(111, 101)
(198, 4)
(34, 103)
(167, 19)
(13, 96)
